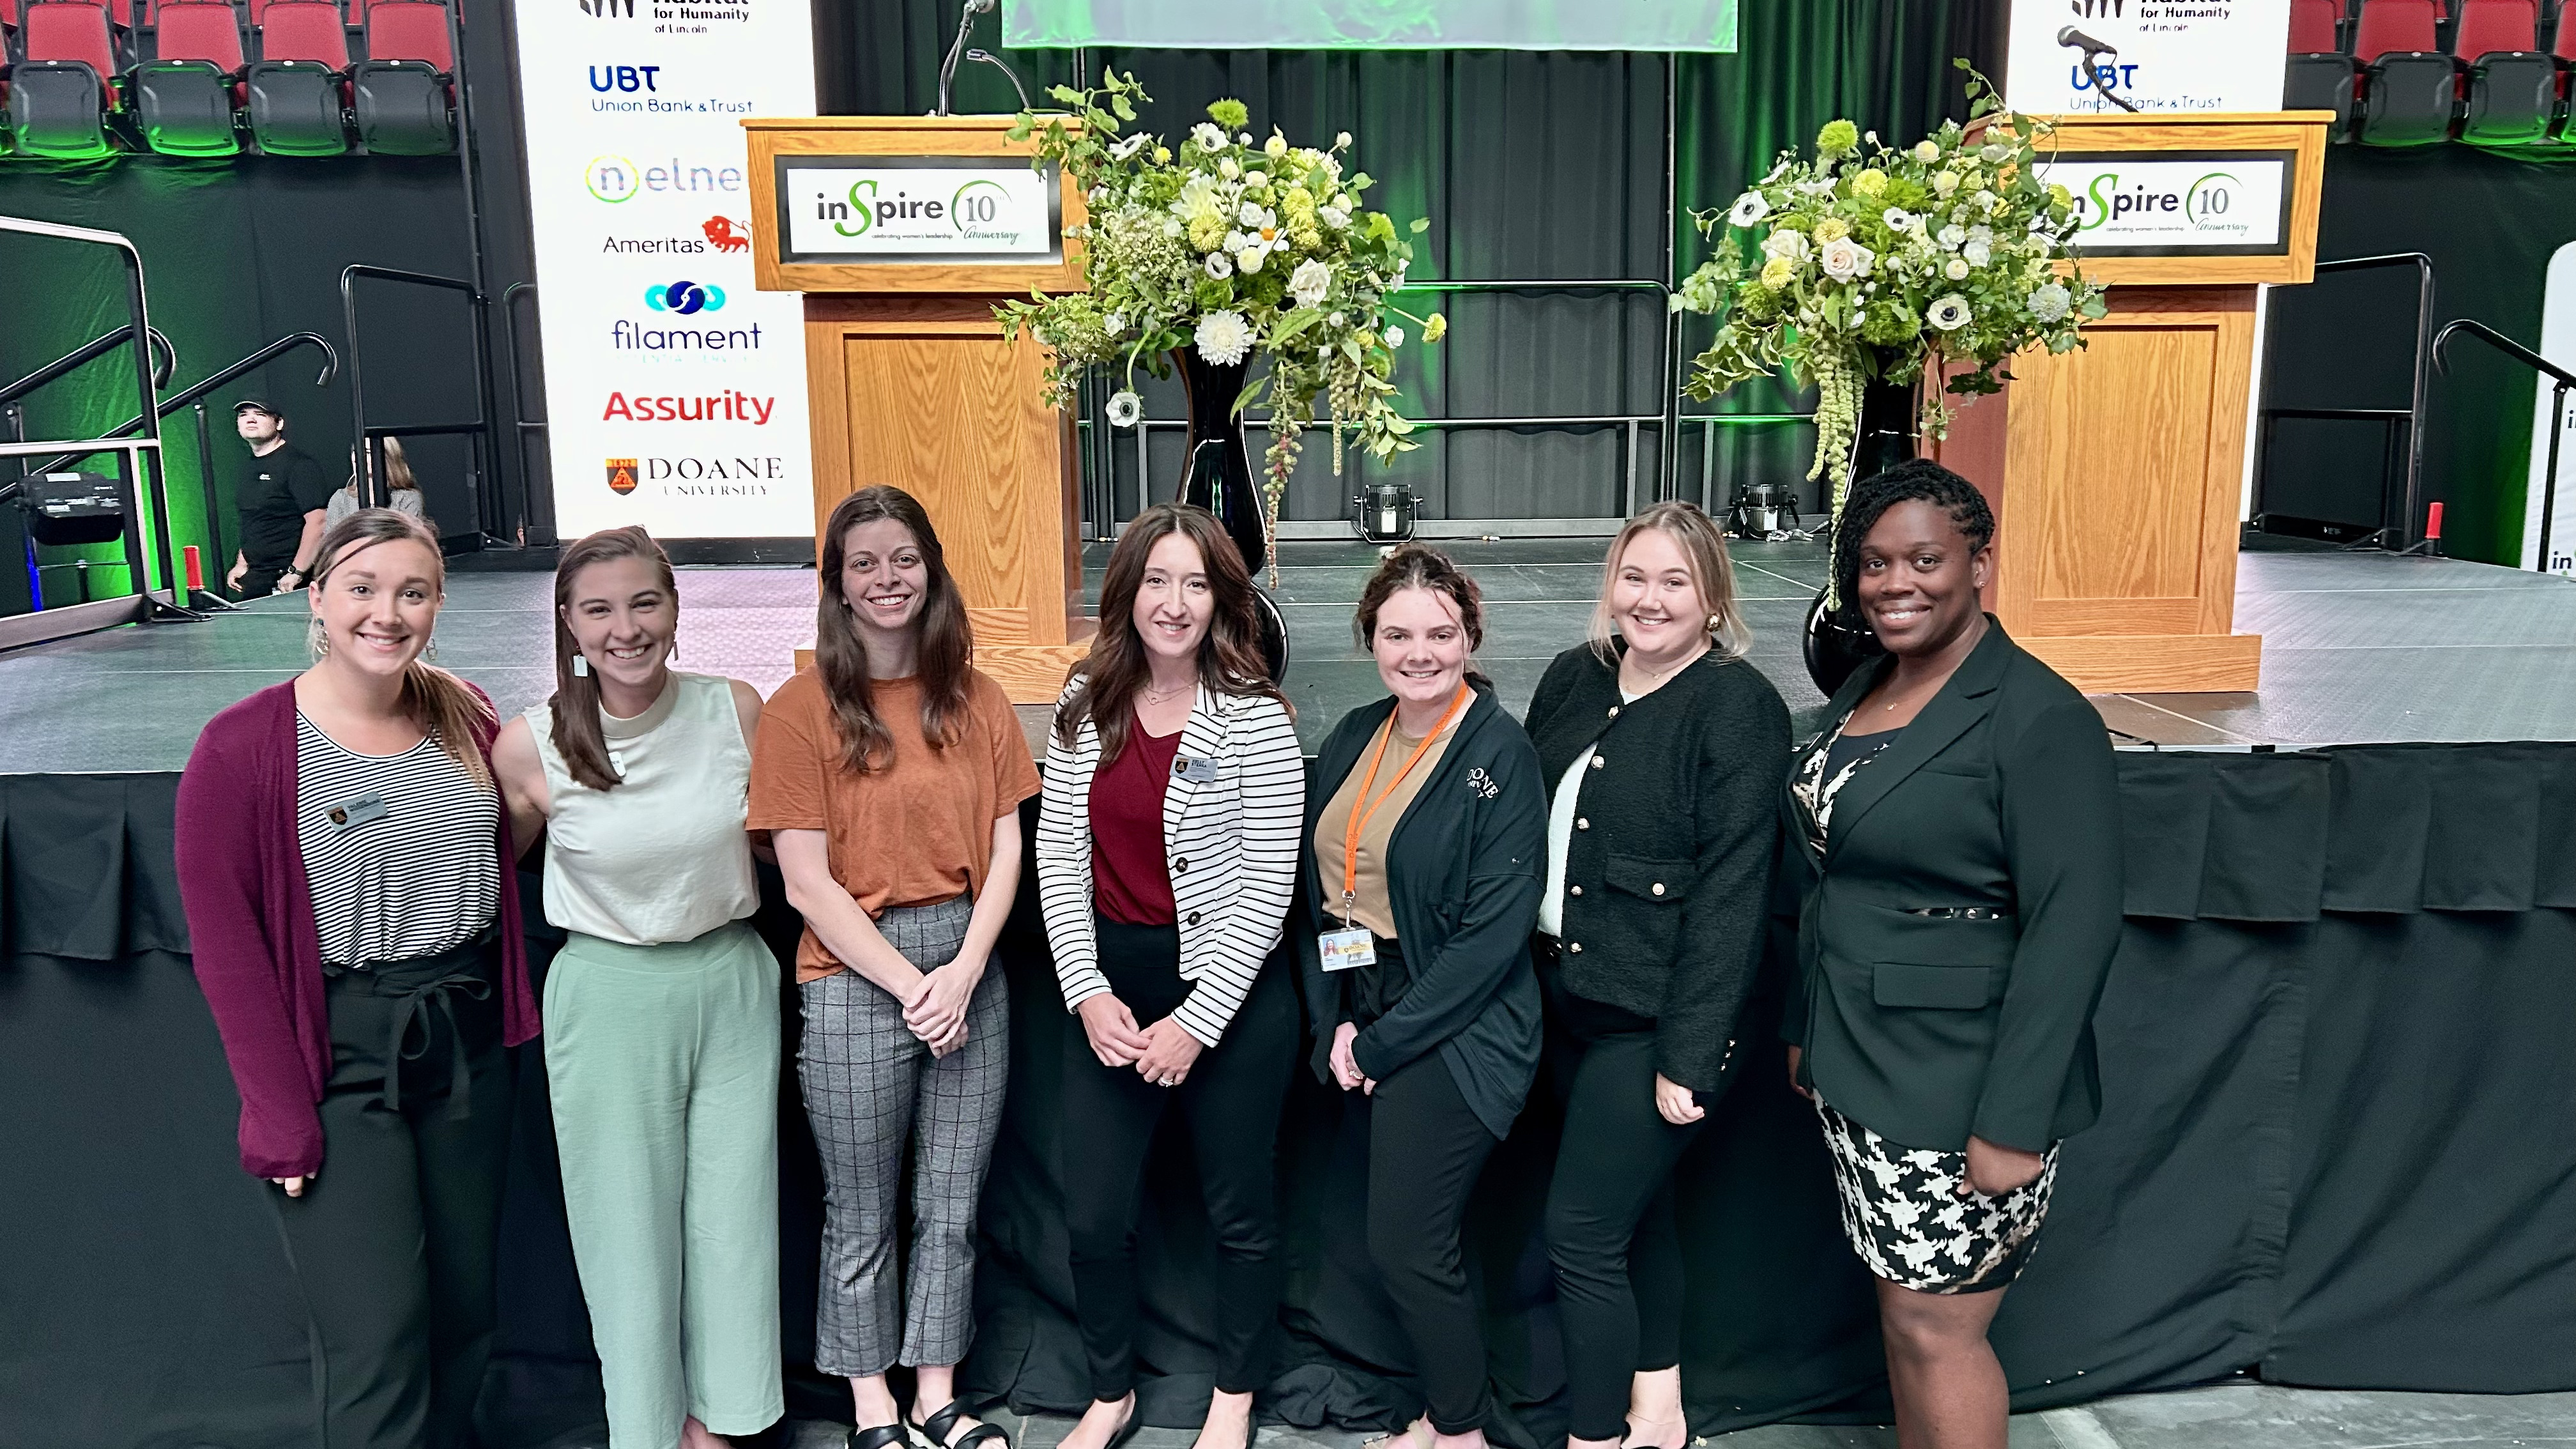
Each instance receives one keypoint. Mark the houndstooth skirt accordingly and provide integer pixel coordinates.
(1915, 1222)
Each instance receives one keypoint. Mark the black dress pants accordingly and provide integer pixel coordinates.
(1231, 1102)
(393, 1242)
(1611, 1231)
(1426, 1146)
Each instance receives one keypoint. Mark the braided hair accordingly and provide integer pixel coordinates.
(1914, 480)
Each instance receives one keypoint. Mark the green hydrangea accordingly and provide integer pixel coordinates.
(1838, 138)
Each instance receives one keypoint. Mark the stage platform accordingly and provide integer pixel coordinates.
(2358, 648)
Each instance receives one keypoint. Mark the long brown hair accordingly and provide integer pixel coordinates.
(1230, 659)
(441, 704)
(576, 730)
(1703, 546)
(1420, 566)
(942, 657)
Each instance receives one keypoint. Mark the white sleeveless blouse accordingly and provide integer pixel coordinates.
(662, 857)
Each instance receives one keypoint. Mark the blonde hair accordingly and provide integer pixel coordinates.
(398, 478)
(443, 705)
(1703, 547)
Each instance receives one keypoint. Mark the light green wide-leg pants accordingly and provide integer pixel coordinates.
(663, 1062)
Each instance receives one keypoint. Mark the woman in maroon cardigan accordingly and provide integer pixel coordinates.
(348, 878)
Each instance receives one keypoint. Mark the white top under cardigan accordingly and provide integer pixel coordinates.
(1230, 844)
(1560, 834)
(663, 857)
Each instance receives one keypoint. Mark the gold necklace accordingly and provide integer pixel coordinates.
(1162, 696)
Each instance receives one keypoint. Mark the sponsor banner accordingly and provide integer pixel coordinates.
(2161, 55)
(918, 209)
(1703, 25)
(2147, 204)
(675, 391)
(2558, 344)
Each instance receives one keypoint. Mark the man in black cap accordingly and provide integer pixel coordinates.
(280, 507)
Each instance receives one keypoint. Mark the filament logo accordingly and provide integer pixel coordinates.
(612, 178)
(685, 298)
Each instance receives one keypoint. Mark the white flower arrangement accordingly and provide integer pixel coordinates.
(1126, 409)
(1884, 263)
(1229, 247)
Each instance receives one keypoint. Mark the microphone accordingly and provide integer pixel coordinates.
(957, 50)
(2074, 39)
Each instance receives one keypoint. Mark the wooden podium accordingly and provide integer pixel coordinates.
(911, 382)
(2116, 472)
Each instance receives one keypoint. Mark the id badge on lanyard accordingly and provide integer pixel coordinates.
(1353, 946)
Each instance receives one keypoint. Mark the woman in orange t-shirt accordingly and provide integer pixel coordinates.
(891, 775)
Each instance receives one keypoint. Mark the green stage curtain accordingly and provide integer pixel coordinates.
(1532, 166)
(2338, 1148)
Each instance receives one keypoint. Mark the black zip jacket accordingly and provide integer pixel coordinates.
(1668, 871)
(1463, 874)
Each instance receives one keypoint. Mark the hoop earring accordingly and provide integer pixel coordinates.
(580, 666)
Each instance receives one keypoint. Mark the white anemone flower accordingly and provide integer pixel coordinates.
(1131, 145)
(1125, 409)
(1208, 136)
(1899, 219)
(1749, 209)
(1844, 259)
(1218, 267)
(1225, 339)
(1310, 283)
(1949, 313)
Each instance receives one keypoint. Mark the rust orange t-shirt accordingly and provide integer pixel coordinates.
(915, 833)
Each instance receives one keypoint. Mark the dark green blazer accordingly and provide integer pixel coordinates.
(1930, 1028)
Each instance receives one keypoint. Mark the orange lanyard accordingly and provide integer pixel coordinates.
(1363, 807)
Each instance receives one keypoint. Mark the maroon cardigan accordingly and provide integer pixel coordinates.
(250, 922)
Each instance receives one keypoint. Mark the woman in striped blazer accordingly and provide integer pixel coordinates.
(1167, 849)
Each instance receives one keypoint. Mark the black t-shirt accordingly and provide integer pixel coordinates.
(281, 488)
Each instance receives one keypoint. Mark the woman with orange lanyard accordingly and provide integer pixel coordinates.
(1429, 827)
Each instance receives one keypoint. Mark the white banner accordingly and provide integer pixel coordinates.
(2558, 344)
(675, 391)
(2155, 204)
(894, 209)
(2158, 55)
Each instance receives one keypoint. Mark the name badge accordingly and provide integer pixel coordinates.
(1197, 772)
(1343, 950)
(350, 814)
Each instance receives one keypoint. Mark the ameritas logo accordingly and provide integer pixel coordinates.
(720, 407)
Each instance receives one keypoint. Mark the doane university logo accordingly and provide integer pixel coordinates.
(727, 476)
(621, 475)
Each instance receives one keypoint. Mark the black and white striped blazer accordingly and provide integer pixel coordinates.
(1230, 844)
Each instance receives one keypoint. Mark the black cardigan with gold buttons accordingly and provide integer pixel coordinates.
(1668, 868)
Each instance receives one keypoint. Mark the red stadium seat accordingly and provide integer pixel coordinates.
(2321, 77)
(2512, 84)
(2411, 86)
(404, 96)
(298, 88)
(60, 93)
(185, 97)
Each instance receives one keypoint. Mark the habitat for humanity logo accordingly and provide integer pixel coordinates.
(722, 407)
(2204, 205)
(978, 202)
(608, 9)
(685, 298)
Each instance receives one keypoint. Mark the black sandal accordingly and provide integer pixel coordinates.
(883, 1436)
(938, 1425)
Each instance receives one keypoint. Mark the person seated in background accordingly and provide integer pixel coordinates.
(402, 490)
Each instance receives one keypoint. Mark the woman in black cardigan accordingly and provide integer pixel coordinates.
(1961, 903)
(1426, 818)
(1663, 751)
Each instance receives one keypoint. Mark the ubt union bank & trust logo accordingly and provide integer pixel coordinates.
(612, 178)
(685, 298)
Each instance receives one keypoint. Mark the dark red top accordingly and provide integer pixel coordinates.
(1130, 881)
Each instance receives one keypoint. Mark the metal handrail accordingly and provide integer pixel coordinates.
(96, 347)
(190, 394)
(2557, 414)
(371, 488)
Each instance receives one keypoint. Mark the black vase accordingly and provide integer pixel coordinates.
(1216, 469)
(1837, 642)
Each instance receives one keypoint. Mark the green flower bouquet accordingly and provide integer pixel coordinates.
(1229, 246)
(1950, 254)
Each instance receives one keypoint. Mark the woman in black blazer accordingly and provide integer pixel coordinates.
(1662, 751)
(1428, 825)
(1961, 903)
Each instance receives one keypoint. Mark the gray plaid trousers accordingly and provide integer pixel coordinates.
(871, 1085)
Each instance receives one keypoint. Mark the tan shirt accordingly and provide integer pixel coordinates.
(917, 832)
(1369, 905)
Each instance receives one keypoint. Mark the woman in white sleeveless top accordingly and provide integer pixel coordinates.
(663, 1004)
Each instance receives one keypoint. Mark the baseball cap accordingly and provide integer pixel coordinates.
(262, 404)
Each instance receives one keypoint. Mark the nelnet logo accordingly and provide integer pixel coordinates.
(612, 178)
(616, 178)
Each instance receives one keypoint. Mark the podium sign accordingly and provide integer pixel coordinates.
(917, 209)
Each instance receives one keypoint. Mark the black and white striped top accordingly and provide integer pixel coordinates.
(419, 876)
(1232, 813)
